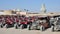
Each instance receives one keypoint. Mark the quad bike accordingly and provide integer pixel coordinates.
(21, 25)
(56, 25)
(2, 23)
(34, 25)
(9, 23)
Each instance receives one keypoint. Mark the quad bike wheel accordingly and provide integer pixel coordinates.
(16, 27)
(1, 26)
(42, 28)
(7, 25)
(53, 29)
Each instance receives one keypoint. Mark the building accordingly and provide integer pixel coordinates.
(22, 12)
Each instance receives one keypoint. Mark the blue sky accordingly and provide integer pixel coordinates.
(31, 5)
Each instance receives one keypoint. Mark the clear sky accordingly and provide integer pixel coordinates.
(31, 5)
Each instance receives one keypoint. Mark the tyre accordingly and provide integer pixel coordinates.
(1, 26)
(38, 27)
(16, 27)
(42, 28)
(53, 29)
(32, 27)
(21, 26)
(7, 25)
(29, 28)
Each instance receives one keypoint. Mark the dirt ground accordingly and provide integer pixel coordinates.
(25, 31)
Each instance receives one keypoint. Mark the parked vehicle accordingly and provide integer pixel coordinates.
(2, 21)
(56, 25)
(41, 24)
(34, 25)
(9, 22)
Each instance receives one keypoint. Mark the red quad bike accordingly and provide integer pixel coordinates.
(9, 23)
(17, 22)
(23, 24)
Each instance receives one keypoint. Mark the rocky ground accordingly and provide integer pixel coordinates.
(25, 31)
